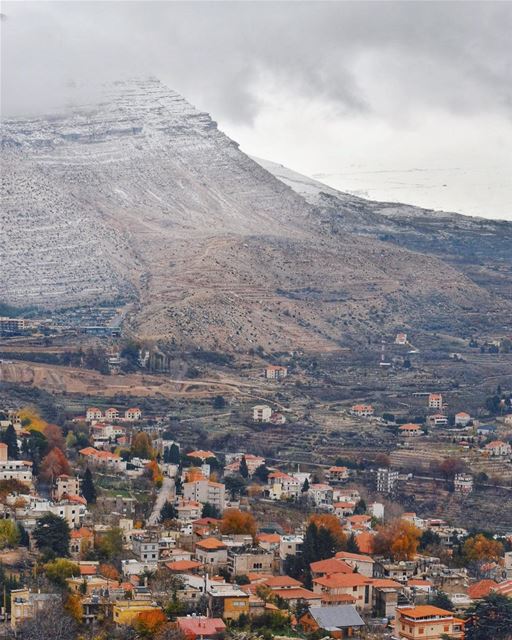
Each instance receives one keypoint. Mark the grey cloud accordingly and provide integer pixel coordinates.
(452, 56)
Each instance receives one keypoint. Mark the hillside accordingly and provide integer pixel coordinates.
(141, 198)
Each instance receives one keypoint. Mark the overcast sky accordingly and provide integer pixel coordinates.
(396, 100)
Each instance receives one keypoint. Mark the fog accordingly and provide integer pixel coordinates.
(331, 89)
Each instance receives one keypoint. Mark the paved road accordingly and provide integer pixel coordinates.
(166, 493)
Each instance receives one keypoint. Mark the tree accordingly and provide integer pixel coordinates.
(149, 622)
(305, 486)
(141, 446)
(244, 470)
(54, 464)
(219, 402)
(235, 485)
(52, 621)
(261, 473)
(73, 606)
(60, 569)
(174, 454)
(168, 512)
(238, 522)
(52, 535)
(330, 522)
(53, 435)
(9, 534)
(429, 538)
(442, 600)
(399, 540)
(108, 571)
(88, 488)
(352, 544)
(210, 511)
(480, 548)
(110, 544)
(449, 467)
(360, 507)
(11, 440)
(490, 618)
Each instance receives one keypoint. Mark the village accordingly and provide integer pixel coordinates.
(129, 524)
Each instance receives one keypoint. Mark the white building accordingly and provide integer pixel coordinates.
(435, 401)
(386, 480)
(133, 414)
(20, 470)
(275, 372)
(463, 483)
(206, 491)
(462, 419)
(93, 413)
(261, 413)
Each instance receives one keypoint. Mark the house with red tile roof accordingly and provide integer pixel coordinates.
(362, 410)
(363, 564)
(199, 627)
(337, 586)
(212, 553)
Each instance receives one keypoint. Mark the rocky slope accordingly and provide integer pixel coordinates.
(140, 197)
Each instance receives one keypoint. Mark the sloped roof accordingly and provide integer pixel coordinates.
(337, 617)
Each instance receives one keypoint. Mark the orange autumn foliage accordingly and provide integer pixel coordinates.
(54, 464)
(151, 621)
(479, 548)
(108, 571)
(73, 606)
(330, 522)
(238, 522)
(398, 540)
(156, 474)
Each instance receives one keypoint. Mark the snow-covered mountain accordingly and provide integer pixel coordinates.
(140, 197)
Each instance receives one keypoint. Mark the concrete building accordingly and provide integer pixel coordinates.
(261, 413)
(206, 491)
(435, 401)
(20, 470)
(66, 486)
(386, 480)
(244, 560)
(25, 604)
(463, 483)
(427, 622)
(275, 372)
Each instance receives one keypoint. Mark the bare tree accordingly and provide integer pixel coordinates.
(49, 622)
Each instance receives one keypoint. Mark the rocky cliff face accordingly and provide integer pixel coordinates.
(141, 197)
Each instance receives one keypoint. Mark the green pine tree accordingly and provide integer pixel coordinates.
(88, 488)
(244, 470)
(10, 439)
(174, 454)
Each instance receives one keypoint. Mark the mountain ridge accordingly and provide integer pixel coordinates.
(141, 198)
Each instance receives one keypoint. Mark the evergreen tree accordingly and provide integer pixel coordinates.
(352, 544)
(88, 488)
(244, 471)
(442, 600)
(167, 455)
(174, 454)
(10, 439)
(168, 512)
(262, 473)
(489, 618)
(305, 486)
(52, 536)
(360, 508)
(210, 511)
